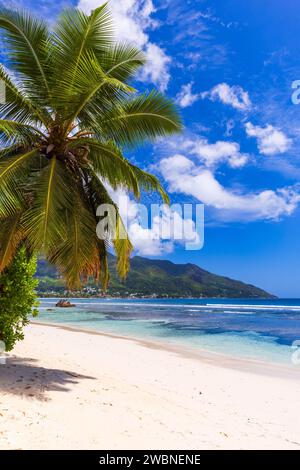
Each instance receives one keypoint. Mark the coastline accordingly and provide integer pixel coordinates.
(148, 297)
(244, 364)
(66, 388)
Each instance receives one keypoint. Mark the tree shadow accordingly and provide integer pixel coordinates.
(20, 376)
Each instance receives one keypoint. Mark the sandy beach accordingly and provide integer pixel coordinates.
(65, 389)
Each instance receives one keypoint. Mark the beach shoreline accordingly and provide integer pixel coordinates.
(244, 364)
(67, 388)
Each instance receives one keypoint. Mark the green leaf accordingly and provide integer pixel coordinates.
(45, 222)
(122, 61)
(89, 82)
(11, 235)
(14, 171)
(76, 256)
(18, 297)
(144, 117)
(26, 38)
(77, 33)
(121, 243)
(12, 132)
(18, 106)
(108, 161)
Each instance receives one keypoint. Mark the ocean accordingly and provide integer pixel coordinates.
(264, 330)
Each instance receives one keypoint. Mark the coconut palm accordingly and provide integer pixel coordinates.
(70, 113)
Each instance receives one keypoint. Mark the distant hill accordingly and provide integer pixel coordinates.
(159, 277)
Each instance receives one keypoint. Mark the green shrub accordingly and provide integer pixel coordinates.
(17, 298)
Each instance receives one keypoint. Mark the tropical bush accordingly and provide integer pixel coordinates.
(17, 297)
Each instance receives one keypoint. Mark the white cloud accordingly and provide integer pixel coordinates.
(186, 97)
(220, 151)
(211, 154)
(234, 96)
(184, 177)
(270, 140)
(169, 227)
(156, 69)
(132, 19)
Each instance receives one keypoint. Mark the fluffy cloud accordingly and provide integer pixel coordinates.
(270, 140)
(234, 96)
(220, 151)
(211, 154)
(186, 97)
(156, 69)
(183, 176)
(132, 19)
(169, 226)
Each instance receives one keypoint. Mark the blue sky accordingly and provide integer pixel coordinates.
(230, 66)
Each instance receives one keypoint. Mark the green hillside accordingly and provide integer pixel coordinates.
(157, 277)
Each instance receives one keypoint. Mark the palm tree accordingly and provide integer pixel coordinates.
(70, 112)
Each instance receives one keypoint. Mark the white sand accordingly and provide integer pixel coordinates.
(63, 389)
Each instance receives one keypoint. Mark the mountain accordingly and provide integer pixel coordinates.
(161, 278)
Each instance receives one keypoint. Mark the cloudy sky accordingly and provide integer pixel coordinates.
(230, 66)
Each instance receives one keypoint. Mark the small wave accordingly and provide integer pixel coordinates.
(256, 307)
(210, 307)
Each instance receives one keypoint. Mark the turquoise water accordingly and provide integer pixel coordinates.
(260, 329)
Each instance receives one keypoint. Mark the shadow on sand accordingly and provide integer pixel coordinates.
(20, 376)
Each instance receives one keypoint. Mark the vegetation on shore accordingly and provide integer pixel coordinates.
(17, 297)
(150, 278)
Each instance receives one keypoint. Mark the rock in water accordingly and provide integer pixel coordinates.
(64, 304)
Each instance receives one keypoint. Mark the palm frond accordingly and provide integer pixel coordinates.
(144, 117)
(122, 61)
(77, 255)
(14, 171)
(77, 33)
(11, 235)
(116, 235)
(44, 221)
(18, 106)
(25, 40)
(107, 160)
(13, 132)
(10, 150)
(88, 80)
(149, 182)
